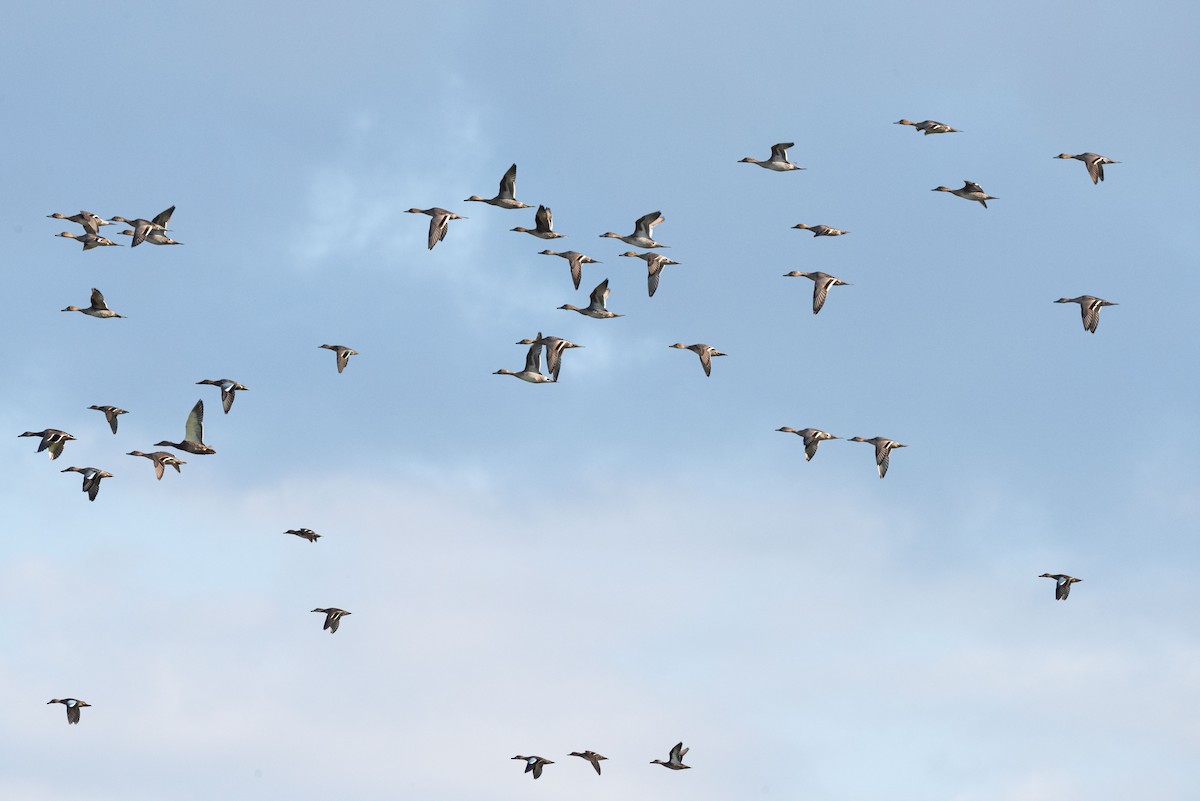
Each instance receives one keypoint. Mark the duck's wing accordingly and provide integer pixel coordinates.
(820, 290)
(705, 355)
(1062, 590)
(343, 358)
(90, 222)
(575, 260)
(654, 274)
(508, 184)
(645, 224)
(92, 486)
(158, 468)
(163, 218)
(544, 219)
(332, 619)
(1091, 315)
(533, 359)
(112, 419)
(811, 441)
(194, 428)
(537, 770)
(438, 223)
(595, 763)
(882, 452)
(72, 713)
(677, 752)
(971, 186)
(140, 232)
(599, 297)
(98, 299)
(554, 358)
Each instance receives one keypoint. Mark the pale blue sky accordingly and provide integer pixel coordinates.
(632, 556)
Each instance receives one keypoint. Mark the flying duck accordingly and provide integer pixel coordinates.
(98, 308)
(439, 223)
(675, 760)
(193, 433)
(655, 262)
(597, 306)
(91, 479)
(1093, 161)
(73, 706)
(1089, 307)
(343, 354)
(506, 198)
(883, 448)
(535, 764)
(533, 368)
(590, 756)
(53, 441)
(544, 220)
(970, 191)
(778, 161)
(643, 228)
(821, 284)
(554, 350)
(110, 414)
(305, 533)
(929, 127)
(228, 387)
(1063, 587)
(705, 352)
(160, 458)
(812, 438)
(575, 260)
(333, 616)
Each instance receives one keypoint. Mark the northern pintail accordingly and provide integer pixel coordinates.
(705, 352)
(439, 223)
(533, 368)
(655, 262)
(228, 387)
(597, 305)
(53, 440)
(98, 308)
(643, 229)
(590, 756)
(73, 706)
(506, 199)
(91, 222)
(90, 240)
(1093, 161)
(143, 228)
(970, 191)
(555, 346)
(675, 759)
(110, 414)
(821, 230)
(153, 237)
(534, 764)
(1089, 307)
(193, 433)
(343, 354)
(333, 617)
(812, 438)
(928, 127)
(544, 219)
(821, 283)
(778, 161)
(575, 260)
(883, 448)
(1063, 586)
(161, 458)
(304, 533)
(91, 479)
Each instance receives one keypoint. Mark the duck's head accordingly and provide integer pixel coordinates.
(941, 189)
(904, 122)
(610, 235)
(1064, 156)
(475, 198)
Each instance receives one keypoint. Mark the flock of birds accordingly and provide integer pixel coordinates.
(155, 232)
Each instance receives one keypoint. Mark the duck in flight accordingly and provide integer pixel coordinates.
(883, 449)
(675, 759)
(228, 387)
(705, 352)
(439, 223)
(597, 307)
(73, 706)
(193, 434)
(544, 219)
(590, 756)
(643, 229)
(1062, 588)
(812, 438)
(970, 191)
(506, 198)
(1089, 307)
(53, 441)
(821, 284)
(333, 617)
(343, 354)
(91, 479)
(575, 260)
(110, 414)
(778, 161)
(161, 459)
(98, 308)
(533, 368)
(534, 764)
(1093, 161)
(928, 127)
